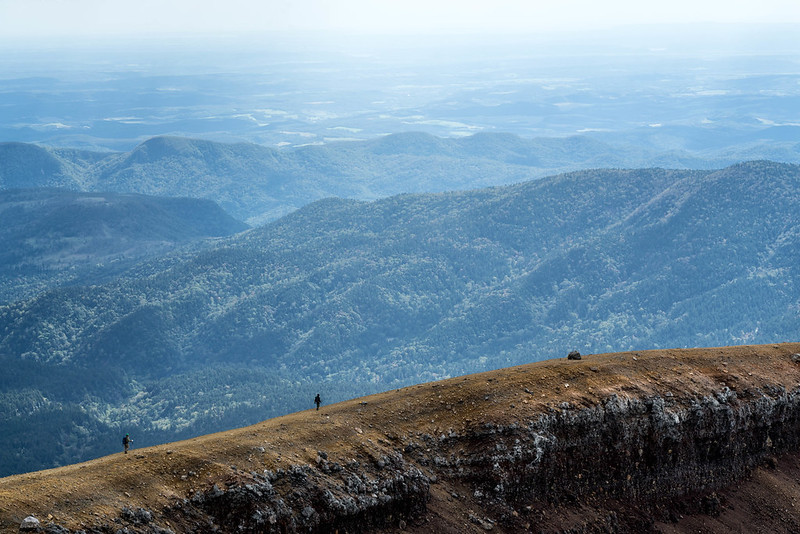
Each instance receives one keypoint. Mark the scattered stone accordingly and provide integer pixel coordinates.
(485, 524)
(138, 516)
(30, 524)
(796, 357)
(574, 355)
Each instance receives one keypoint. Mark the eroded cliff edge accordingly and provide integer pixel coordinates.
(625, 442)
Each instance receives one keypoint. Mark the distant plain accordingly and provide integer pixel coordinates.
(701, 89)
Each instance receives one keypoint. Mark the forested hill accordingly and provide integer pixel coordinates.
(257, 184)
(55, 236)
(348, 297)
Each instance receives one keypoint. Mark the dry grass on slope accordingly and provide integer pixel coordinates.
(152, 478)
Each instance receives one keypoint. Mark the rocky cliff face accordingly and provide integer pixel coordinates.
(611, 443)
(326, 498)
(652, 451)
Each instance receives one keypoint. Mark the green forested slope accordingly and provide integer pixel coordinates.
(348, 297)
(51, 237)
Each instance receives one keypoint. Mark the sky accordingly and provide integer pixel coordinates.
(36, 18)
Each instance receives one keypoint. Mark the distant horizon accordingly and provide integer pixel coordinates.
(690, 38)
(514, 34)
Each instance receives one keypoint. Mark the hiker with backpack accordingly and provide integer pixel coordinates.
(126, 441)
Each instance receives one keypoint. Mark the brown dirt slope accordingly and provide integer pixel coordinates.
(358, 432)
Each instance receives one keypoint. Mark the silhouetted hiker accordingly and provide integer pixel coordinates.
(317, 401)
(126, 441)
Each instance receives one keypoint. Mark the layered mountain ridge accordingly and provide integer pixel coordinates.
(257, 184)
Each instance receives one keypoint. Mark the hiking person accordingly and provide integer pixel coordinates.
(317, 401)
(126, 441)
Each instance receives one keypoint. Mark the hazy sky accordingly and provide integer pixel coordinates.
(92, 17)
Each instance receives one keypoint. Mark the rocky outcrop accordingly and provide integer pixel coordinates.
(655, 448)
(325, 498)
(651, 451)
(652, 448)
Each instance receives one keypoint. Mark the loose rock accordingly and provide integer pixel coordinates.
(30, 524)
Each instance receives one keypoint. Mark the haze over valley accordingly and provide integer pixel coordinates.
(708, 89)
